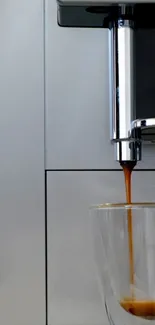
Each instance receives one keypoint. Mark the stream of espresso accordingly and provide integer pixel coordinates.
(141, 308)
(127, 169)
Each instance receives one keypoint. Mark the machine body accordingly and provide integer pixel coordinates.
(122, 20)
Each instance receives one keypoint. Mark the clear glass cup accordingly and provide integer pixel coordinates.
(124, 251)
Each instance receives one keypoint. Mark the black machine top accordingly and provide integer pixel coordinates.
(82, 15)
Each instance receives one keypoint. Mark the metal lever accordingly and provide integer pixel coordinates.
(144, 129)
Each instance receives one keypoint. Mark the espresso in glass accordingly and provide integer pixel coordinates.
(142, 308)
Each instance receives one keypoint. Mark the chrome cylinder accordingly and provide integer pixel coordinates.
(122, 89)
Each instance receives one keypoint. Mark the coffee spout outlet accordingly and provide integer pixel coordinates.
(122, 94)
(127, 133)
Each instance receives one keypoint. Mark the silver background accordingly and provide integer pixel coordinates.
(74, 98)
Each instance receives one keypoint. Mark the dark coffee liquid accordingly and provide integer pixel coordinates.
(141, 308)
(128, 168)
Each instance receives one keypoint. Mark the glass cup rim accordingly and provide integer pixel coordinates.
(133, 205)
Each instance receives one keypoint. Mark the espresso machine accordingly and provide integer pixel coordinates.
(123, 20)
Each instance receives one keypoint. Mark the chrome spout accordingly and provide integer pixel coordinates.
(122, 89)
(127, 133)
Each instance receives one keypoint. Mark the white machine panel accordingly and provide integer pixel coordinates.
(22, 231)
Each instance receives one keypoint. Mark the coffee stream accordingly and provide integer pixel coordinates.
(128, 168)
(141, 308)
